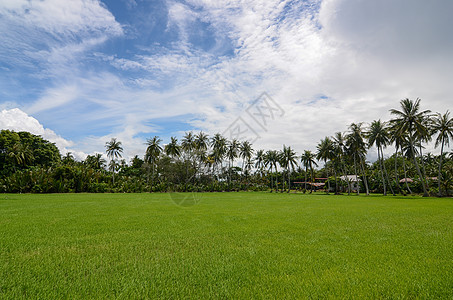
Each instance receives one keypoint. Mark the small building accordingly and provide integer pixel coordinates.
(354, 180)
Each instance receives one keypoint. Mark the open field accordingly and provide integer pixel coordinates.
(229, 245)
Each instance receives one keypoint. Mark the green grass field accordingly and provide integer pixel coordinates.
(228, 245)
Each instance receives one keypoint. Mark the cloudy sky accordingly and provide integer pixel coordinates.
(79, 72)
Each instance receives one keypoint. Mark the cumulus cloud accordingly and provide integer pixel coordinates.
(327, 63)
(17, 120)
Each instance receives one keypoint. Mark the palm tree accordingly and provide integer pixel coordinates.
(152, 153)
(188, 146)
(411, 120)
(271, 160)
(339, 143)
(325, 152)
(308, 160)
(114, 150)
(232, 154)
(245, 152)
(259, 161)
(288, 161)
(356, 148)
(173, 149)
(201, 142)
(219, 148)
(20, 154)
(378, 135)
(442, 126)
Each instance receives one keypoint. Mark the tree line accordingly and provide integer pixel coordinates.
(202, 163)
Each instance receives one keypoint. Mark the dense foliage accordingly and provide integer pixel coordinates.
(202, 163)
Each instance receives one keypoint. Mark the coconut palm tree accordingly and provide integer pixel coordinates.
(20, 154)
(411, 120)
(259, 161)
(245, 152)
(152, 153)
(378, 135)
(271, 160)
(442, 126)
(356, 148)
(173, 149)
(219, 149)
(339, 143)
(288, 160)
(326, 152)
(232, 154)
(308, 160)
(114, 150)
(201, 142)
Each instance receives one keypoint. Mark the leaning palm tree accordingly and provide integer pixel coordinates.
(308, 160)
(442, 126)
(152, 153)
(411, 120)
(114, 150)
(325, 152)
(288, 160)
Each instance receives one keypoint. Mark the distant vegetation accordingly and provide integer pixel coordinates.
(199, 162)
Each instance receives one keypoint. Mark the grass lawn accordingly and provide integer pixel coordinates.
(228, 245)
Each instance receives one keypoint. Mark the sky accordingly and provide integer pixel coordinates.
(79, 72)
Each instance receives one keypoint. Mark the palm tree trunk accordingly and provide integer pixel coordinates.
(405, 174)
(439, 177)
(423, 168)
(365, 180)
(386, 174)
(356, 178)
(305, 183)
(425, 192)
(328, 181)
(396, 171)
(382, 172)
(289, 182)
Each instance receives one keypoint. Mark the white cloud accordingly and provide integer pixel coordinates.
(349, 61)
(17, 120)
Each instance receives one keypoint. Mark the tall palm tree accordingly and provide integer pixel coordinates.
(325, 152)
(308, 160)
(201, 146)
(232, 154)
(442, 126)
(271, 160)
(288, 160)
(378, 135)
(356, 148)
(259, 161)
(411, 120)
(339, 143)
(219, 148)
(152, 153)
(245, 152)
(114, 150)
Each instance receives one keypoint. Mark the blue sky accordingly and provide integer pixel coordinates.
(80, 72)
